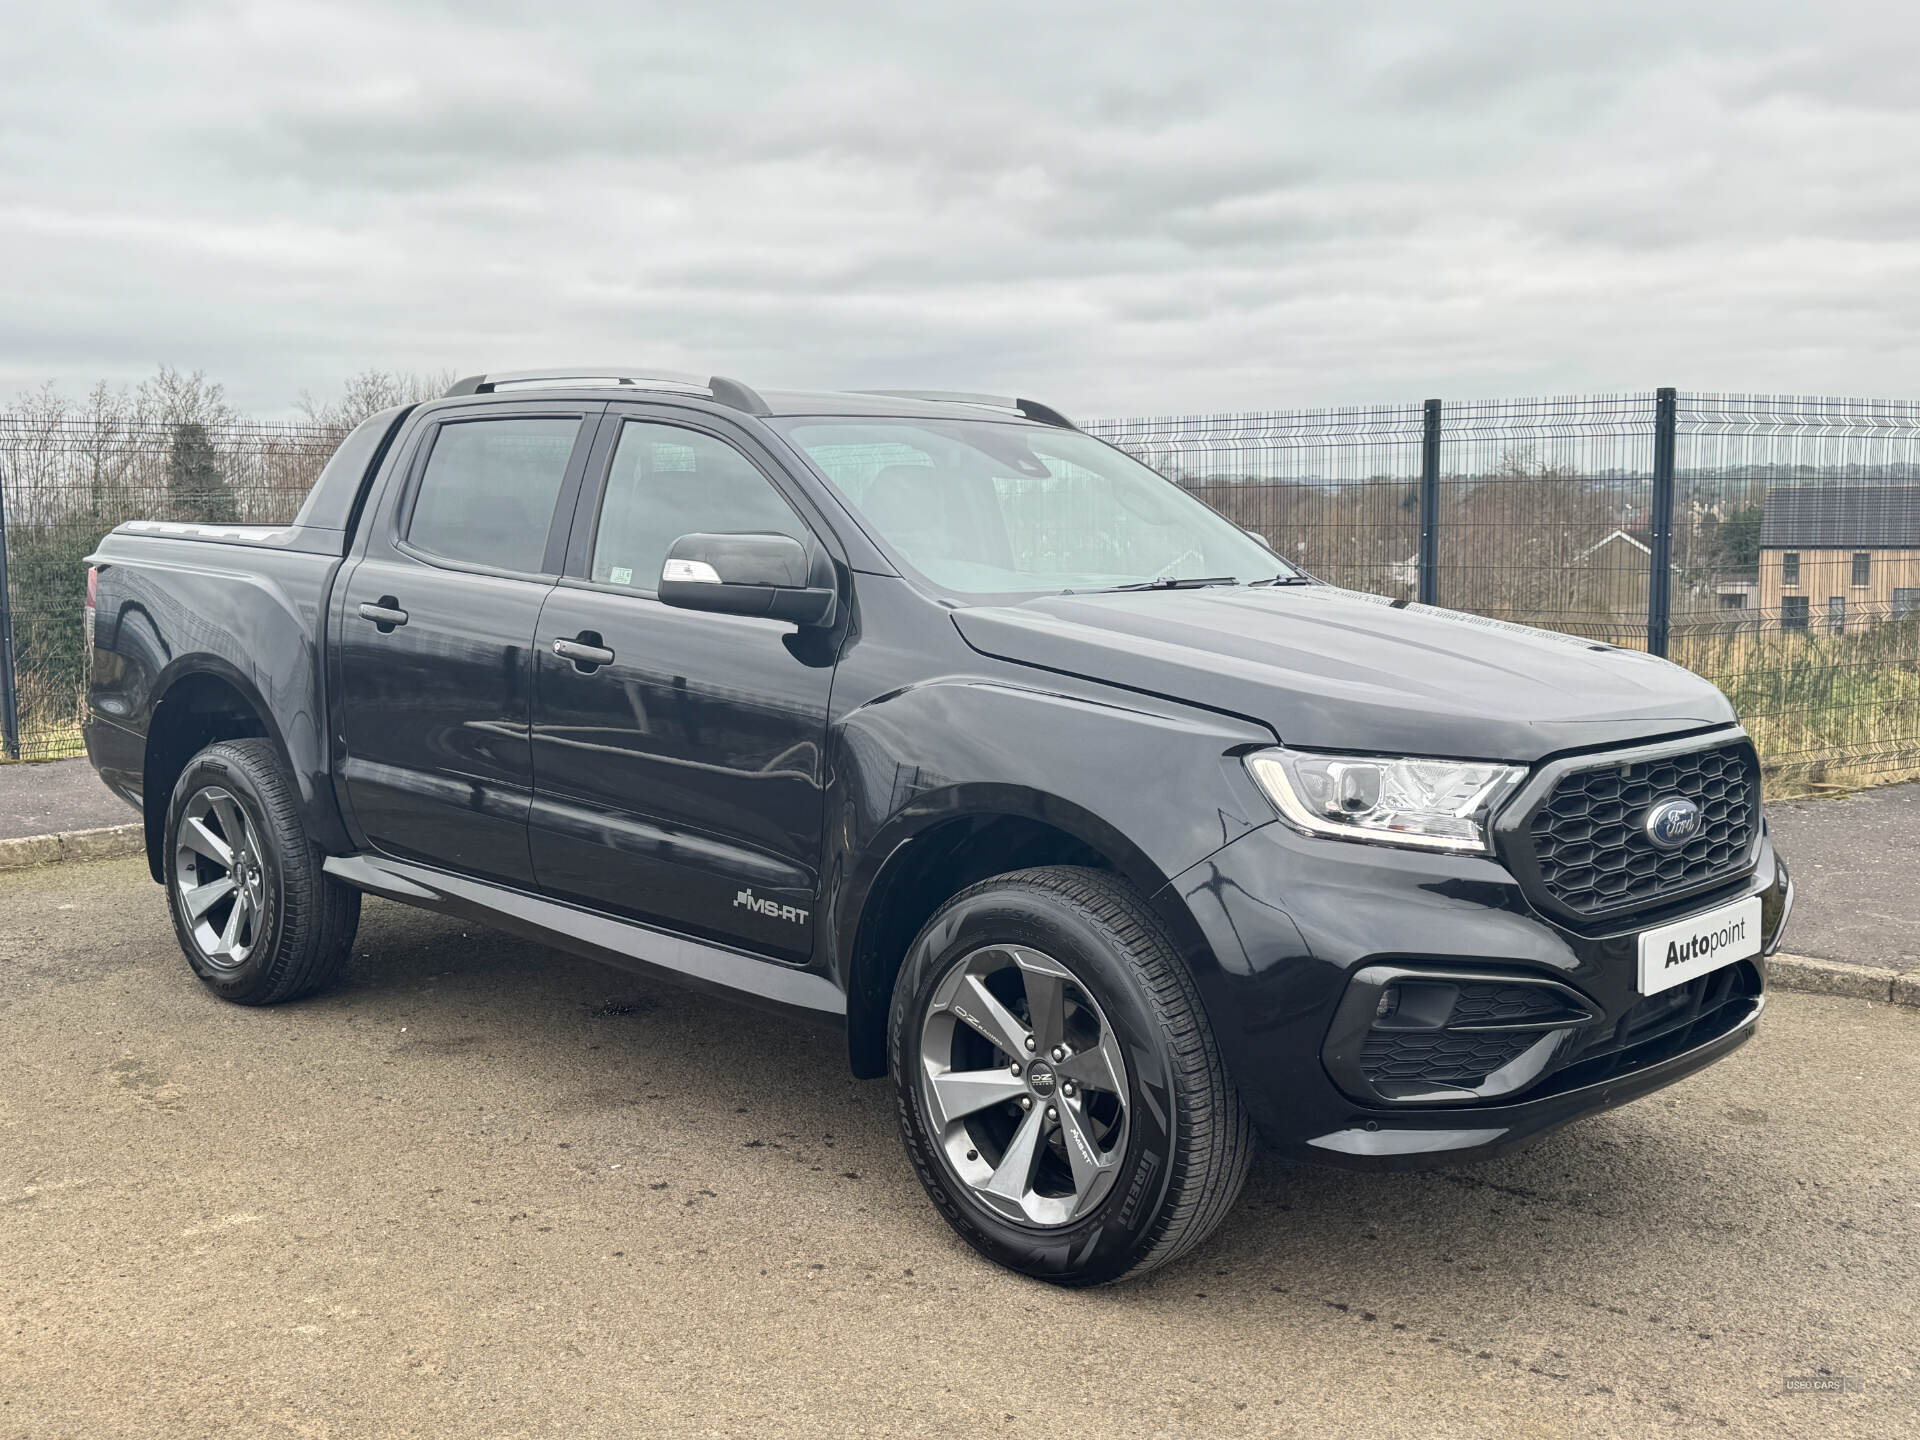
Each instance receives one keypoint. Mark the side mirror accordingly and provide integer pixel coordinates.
(771, 575)
(1256, 535)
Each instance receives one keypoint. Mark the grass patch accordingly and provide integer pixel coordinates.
(50, 716)
(1826, 712)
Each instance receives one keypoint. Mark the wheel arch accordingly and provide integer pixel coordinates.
(202, 702)
(938, 846)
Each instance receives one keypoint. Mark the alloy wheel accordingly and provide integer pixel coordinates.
(220, 880)
(1024, 1085)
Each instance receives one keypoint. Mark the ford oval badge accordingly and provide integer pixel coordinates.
(1672, 823)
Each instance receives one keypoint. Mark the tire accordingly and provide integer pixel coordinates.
(295, 928)
(1126, 1153)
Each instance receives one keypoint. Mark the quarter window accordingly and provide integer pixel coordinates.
(1862, 567)
(488, 493)
(666, 482)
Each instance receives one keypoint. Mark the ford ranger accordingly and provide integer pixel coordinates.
(1110, 836)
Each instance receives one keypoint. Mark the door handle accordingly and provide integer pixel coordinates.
(586, 653)
(387, 614)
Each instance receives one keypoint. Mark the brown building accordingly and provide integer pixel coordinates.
(1834, 556)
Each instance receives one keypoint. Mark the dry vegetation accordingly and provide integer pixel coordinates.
(1827, 712)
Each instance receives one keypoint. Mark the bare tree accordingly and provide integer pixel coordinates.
(370, 392)
(171, 398)
(107, 420)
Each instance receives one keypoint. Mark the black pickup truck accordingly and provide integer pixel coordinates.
(1108, 834)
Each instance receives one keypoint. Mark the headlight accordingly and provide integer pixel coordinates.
(1426, 804)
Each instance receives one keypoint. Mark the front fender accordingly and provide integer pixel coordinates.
(1153, 789)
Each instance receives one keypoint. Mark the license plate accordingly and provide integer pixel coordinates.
(1698, 945)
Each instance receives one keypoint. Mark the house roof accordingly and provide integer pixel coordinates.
(1841, 517)
(1635, 541)
(1617, 535)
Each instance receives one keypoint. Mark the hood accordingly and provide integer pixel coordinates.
(1336, 669)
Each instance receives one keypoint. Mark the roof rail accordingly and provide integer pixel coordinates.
(727, 392)
(1032, 409)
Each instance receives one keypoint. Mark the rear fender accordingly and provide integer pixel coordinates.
(246, 620)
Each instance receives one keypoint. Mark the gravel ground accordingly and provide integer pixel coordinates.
(485, 1190)
(54, 795)
(1856, 871)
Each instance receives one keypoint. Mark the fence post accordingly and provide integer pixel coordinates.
(1660, 561)
(1429, 561)
(9, 696)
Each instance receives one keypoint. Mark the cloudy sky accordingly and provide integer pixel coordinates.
(1119, 207)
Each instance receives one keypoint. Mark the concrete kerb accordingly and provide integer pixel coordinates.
(1832, 977)
(111, 842)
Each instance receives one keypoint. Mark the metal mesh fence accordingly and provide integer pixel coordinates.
(1336, 491)
(1543, 508)
(1796, 550)
(1792, 535)
(1791, 532)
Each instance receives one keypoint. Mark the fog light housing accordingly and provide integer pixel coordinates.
(1405, 1035)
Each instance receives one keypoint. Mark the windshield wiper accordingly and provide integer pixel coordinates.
(1283, 580)
(1177, 582)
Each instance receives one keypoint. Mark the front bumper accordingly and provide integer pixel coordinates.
(1288, 919)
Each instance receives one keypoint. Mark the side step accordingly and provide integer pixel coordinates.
(629, 946)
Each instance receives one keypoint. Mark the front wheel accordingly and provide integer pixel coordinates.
(1058, 1087)
(258, 918)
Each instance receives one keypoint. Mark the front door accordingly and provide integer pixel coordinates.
(678, 756)
(434, 680)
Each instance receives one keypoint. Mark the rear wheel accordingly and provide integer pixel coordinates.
(259, 920)
(1058, 1088)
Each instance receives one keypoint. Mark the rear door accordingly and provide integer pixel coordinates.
(434, 682)
(679, 779)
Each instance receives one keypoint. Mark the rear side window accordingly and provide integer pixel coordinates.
(665, 483)
(488, 494)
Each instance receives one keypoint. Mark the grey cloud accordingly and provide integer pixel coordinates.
(1124, 207)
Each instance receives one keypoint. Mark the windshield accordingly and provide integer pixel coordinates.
(982, 508)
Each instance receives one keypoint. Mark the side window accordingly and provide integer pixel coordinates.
(488, 494)
(667, 482)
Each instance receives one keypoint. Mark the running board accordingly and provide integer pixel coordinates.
(622, 943)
